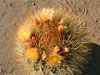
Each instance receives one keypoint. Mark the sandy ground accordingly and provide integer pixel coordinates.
(11, 12)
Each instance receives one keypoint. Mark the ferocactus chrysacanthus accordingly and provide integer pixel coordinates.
(53, 41)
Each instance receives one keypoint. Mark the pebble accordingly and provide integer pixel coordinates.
(95, 20)
(33, 3)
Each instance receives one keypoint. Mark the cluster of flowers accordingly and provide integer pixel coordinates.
(53, 42)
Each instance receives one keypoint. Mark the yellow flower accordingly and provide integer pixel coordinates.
(32, 54)
(54, 60)
(46, 14)
(24, 34)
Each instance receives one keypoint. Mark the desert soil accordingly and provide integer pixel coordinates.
(11, 12)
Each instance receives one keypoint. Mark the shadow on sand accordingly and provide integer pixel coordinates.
(93, 67)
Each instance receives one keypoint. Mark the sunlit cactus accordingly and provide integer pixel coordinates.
(52, 42)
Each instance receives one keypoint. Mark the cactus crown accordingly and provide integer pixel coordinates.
(53, 41)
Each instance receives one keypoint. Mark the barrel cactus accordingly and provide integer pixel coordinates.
(52, 42)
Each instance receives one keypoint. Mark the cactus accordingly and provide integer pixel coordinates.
(52, 42)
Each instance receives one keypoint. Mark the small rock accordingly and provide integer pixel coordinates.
(95, 20)
(33, 3)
